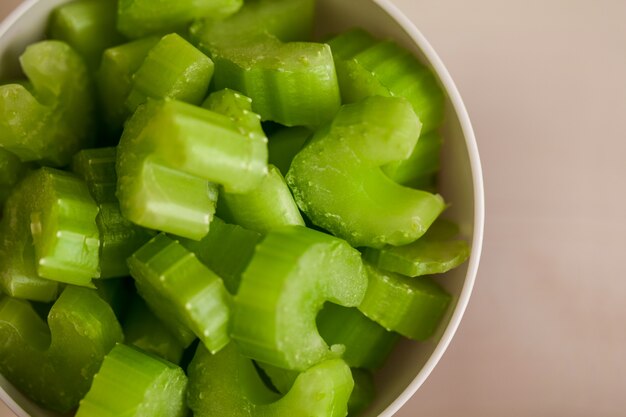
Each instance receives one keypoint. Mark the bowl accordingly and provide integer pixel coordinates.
(460, 179)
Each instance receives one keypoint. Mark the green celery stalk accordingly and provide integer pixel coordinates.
(418, 170)
(133, 383)
(363, 392)
(88, 26)
(413, 307)
(293, 272)
(189, 298)
(284, 144)
(227, 384)
(11, 171)
(97, 168)
(337, 182)
(55, 366)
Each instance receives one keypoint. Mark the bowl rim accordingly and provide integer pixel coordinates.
(458, 105)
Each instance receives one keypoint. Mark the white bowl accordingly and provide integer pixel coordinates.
(461, 182)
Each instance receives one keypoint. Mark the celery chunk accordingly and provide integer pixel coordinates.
(337, 182)
(227, 384)
(412, 307)
(293, 272)
(54, 366)
(53, 118)
(363, 392)
(135, 384)
(420, 169)
(284, 144)
(11, 171)
(188, 297)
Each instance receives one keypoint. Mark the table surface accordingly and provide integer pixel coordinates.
(545, 85)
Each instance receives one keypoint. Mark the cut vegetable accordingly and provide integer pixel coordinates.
(363, 392)
(11, 171)
(337, 182)
(418, 170)
(285, 144)
(55, 366)
(134, 384)
(227, 384)
(293, 272)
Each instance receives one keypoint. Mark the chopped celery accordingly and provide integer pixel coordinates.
(367, 343)
(173, 68)
(144, 330)
(188, 297)
(11, 171)
(337, 182)
(293, 272)
(52, 119)
(132, 383)
(227, 384)
(117, 293)
(88, 26)
(137, 18)
(367, 67)
(226, 250)
(363, 392)
(97, 168)
(55, 367)
(279, 378)
(412, 307)
(418, 170)
(284, 144)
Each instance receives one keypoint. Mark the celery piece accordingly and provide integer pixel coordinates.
(188, 297)
(337, 182)
(55, 366)
(114, 78)
(227, 384)
(117, 292)
(265, 208)
(281, 379)
(418, 170)
(135, 384)
(52, 120)
(367, 67)
(367, 343)
(11, 171)
(137, 18)
(88, 26)
(226, 250)
(363, 392)
(97, 168)
(284, 144)
(426, 256)
(294, 270)
(173, 68)
(412, 307)
(144, 330)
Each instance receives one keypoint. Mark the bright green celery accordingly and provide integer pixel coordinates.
(226, 250)
(55, 366)
(337, 182)
(418, 170)
(285, 144)
(168, 152)
(367, 67)
(173, 68)
(412, 307)
(227, 384)
(53, 212)
(11, 171)
(53, 119)
(137, 18)
(188, 297)
(88, 26)
(431, 254)
(135, 384)
(144, 330)
(293, 272)
(114, 78)
(367, 343)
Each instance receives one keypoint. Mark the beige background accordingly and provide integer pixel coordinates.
(545, 84)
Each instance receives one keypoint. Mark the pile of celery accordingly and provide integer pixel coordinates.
(203, 210)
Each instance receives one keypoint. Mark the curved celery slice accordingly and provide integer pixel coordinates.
(187, 296)
(363, 392)
(412, 307)
(367, 67)
(55, 367)
(337, 182)
(227, 384)
(11, 171)
(144, 330)
(55, 120)
(226, 250)
(134, 384)
(283, 146)
(137, 18)
(88, 26)
(419, 169)
(173, 68)
(293, 272)
(367, 343)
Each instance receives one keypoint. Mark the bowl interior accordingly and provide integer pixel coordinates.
(460, 181)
